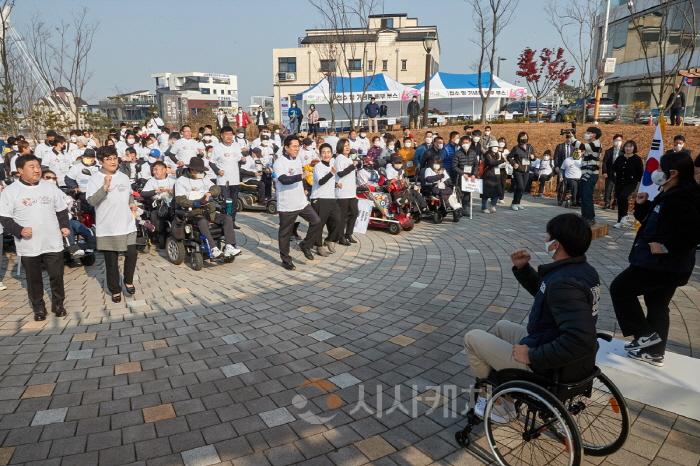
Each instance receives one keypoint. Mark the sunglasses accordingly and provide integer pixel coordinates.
(50, 178)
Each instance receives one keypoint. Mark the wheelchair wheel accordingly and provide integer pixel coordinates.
(88, 260)
(239, 204)
(437, 217)
(175, 250)
(539, 431)
(394, 228)
(196, 261)
(271, 207)
(602, 417)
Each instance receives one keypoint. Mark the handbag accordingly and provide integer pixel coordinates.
(454, 201)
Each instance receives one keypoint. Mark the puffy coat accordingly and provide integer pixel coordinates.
(561, 330)
(465, 163)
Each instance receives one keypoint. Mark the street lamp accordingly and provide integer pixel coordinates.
(428, 43)
(498, 67)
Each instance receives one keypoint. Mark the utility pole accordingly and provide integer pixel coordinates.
(600, 78)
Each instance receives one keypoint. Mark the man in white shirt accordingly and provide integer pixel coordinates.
(185, 148)
(292, 203)
(44, 149)
(225, 162)
(35, 213)
(332, 139)
(308, 153)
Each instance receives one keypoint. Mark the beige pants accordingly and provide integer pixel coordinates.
(486, 351)
(373, 126)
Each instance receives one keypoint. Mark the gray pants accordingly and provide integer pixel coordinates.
(486, 351)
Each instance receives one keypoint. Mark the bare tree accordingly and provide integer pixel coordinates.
(352, 39)
(61, 55)
(574, 21)
(9, 89)
(490, 18)
(667, 40)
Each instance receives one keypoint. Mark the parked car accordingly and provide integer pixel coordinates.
(517, 108)
(607, 112)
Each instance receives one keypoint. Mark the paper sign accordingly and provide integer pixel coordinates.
(441, 119)
(364, 208)
(391, 121)
(472, 185)
(323, 124)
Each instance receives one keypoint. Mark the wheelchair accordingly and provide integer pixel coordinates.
(186, 242)
(554, 422)
(437, 209)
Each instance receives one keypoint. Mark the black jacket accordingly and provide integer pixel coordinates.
(560, 154)
(491, 178)
(518, 155)
(462, 162)
(608, 161)
(413, 109)
(628, 170)
(676, 100)
(562, 324)
(672, 219)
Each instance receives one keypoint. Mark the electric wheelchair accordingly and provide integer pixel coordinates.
(553, 422)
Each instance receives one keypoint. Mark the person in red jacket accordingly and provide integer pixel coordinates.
(241, 119)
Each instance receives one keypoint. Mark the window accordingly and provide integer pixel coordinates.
(387, 23)
(204, 90)
(328, 66)
(214, 91)
(354, 64)
(403, 65)
(385, 65)
(287, 64)
(370, 65)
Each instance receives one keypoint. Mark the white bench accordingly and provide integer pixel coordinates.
(675, 387)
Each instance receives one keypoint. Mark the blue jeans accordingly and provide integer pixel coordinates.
(484, 201)
(587, 186)
(77, 228)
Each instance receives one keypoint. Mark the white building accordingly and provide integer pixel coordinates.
(180, 95)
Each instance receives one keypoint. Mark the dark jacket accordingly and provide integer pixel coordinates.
(432, 155)
(561, 330)
(465, 163)
(372, 110)
(413, 109)
(672, 219)
(608, 161)
(383, 110)
(676, 100)
(491, 178)
(560, 155)
(628, 170)
(518, 155)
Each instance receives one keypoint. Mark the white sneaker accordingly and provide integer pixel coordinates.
(215, 252)
(493, 209)
(501, 202)
(231, 251)
(514, 207)
(78, 253)
(618, 225)
(502, 413)
(520, 207)
(486, 211)
(89, 251)
(2, 286)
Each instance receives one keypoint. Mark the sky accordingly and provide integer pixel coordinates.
(139, 37)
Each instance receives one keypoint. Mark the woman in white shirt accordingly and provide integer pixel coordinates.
(571, 168)
(345, 192)
(542, 170)
(324, 202)
(109, 192)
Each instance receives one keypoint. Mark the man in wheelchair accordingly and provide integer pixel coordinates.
(560, 337)
(194, 193)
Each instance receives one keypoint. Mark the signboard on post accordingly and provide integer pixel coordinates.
(364, 208)
(472, 185)
(609, 65)
(284, 110)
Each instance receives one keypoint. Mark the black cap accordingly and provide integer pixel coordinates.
(51, 133)
(307, 142)
(196, 163)
(89, 153)
(257, 150)
(396, 159)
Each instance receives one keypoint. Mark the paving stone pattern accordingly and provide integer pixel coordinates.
(247, 363)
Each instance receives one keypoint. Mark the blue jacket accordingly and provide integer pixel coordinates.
(294, 112)
(372, 110)
(418, 156)
(450, 151)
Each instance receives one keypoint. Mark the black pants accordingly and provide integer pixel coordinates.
(226, 223)
(313, 129)
(287, 220)
(542, 179)
(519, 182)
(504, 178)
(609, 190)
(622, 194)
(33, 268)
(657, 288)
(329, 213)
(112, 268)
(572, 187)
(676, 116)
(231, 192)
(348, 215)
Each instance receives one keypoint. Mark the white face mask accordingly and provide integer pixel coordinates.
(240, 135)
(264, 143)
(407, 144)
(363, 135)
(131, 141)
(465, 147)
(455, 141)
(487, 133)
(436, 167)
(501, 145)
(679, 147)
(440, 146)
(494, 149)
(658, 178)
(207, 137)
(74, 139)
(617, 144)
(546, 158)
(398, 167)
(152, 160)
(476, 139)
(586, 136)
(547, 245)
(428, 140)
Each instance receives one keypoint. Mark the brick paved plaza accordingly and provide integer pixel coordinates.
(229, 365)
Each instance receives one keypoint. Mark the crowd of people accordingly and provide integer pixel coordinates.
(316, 178)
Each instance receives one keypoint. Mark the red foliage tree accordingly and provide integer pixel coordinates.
(543, 73)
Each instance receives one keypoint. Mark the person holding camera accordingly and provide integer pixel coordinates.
(590, 167)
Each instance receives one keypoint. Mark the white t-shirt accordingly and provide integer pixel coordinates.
(194, 189)
(226, 158)
(35, 207)
(76, 173)
(113, 215)
(42, 150)
(392, 173)
(349, 182)
(323, 191)
(332, 141)
(571, 168)
(361, 145)
(153, 184)
(307, 155)
(544, 166)
(441, 181)
(290, 197)
(185, 149)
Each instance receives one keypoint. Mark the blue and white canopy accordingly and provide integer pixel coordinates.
(454, 85)
(346, 90)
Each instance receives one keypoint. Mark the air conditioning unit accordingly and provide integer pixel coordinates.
(286, 77)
